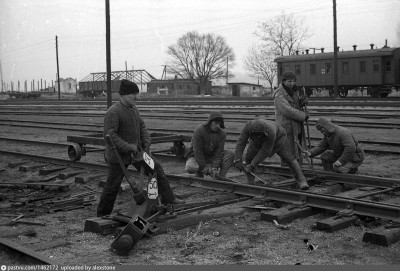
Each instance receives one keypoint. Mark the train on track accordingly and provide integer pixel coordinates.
(376, 71)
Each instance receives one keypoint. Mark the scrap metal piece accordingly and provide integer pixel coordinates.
(131, 234)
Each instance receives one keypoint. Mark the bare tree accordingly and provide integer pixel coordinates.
(284, 33)
(280, 36)
(200, 57)
(260, 62)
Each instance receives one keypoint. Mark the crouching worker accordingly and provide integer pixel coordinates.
(340, 151)
(128, 132)
(266, 138)
(206, 155)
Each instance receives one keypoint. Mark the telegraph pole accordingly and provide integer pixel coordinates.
(58, 71)
(335, 68)
(1, 75)
(108, 54)
(227, 71)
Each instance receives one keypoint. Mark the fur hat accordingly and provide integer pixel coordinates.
(327, 124)
(288, 76)
(216, 116)
(127, 87)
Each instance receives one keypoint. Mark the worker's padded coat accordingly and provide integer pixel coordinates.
(344, 145)
(289, 115)
(207, 145)
(125, 126)
(275, 140)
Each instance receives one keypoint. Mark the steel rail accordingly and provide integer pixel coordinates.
(362, 124)
(370, 114)
(24, 255)
(301, 198)
(100, 141)
(329, 202)
(100, 126)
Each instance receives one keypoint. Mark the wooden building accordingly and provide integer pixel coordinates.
(177, 87)
(241, 89)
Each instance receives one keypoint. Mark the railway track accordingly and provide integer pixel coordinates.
(280, 191)
(370, 146)
(369, 201)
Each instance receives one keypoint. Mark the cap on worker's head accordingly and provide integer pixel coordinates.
(127, 87)
(258, 127)
(327, 124)
(288, 76)
(216, 116)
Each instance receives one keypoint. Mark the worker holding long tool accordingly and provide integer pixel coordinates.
(128, 132)
(265, 139)
(289, 101)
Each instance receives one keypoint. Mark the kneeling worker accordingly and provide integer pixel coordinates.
(206, 155)
(266, 139)
(340, 151)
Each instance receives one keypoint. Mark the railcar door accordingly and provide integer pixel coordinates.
(377, 72)
(387, 70)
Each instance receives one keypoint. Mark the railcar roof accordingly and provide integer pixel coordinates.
(340, 54)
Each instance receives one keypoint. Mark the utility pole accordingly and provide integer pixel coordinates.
(126, 70)
(58, 71)
(227, 70)
(1, 75)
(335, 68)
(108, 54)
(164, 73)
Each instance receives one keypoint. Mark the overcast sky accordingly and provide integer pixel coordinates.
(142, 30)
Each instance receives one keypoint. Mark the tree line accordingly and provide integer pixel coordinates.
(204, 57)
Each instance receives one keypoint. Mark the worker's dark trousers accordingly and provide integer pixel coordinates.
(114, 179)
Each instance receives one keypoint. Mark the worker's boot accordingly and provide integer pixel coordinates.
(298, 174)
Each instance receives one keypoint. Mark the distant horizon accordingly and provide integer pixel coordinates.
(141, 31)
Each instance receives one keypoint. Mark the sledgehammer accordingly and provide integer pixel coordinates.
(138, 194)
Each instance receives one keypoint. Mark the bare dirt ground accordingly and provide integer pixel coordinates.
(242, 239)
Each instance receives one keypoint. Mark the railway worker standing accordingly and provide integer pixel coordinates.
(206, 155)
(289, 112)
(340, 151)
(128, 132)
(266, 138)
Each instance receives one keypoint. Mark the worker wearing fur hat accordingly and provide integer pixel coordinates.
(340, 151)
(129, 134)
(206, 155)
(265, 138)
(289, 101)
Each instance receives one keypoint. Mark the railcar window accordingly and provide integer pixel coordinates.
(376, 66)
(313, 69)
(345, 68)
(297, 69)
(388, 66)
(362, 66)
(328, 67)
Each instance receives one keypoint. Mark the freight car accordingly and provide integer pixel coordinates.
(375, 70)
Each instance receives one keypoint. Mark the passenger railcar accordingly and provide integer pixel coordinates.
(374, 70)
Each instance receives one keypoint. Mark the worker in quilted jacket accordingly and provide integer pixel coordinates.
(290, 113)
(339, 149)
(129, 134)
(265, 138)
(206, 155)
